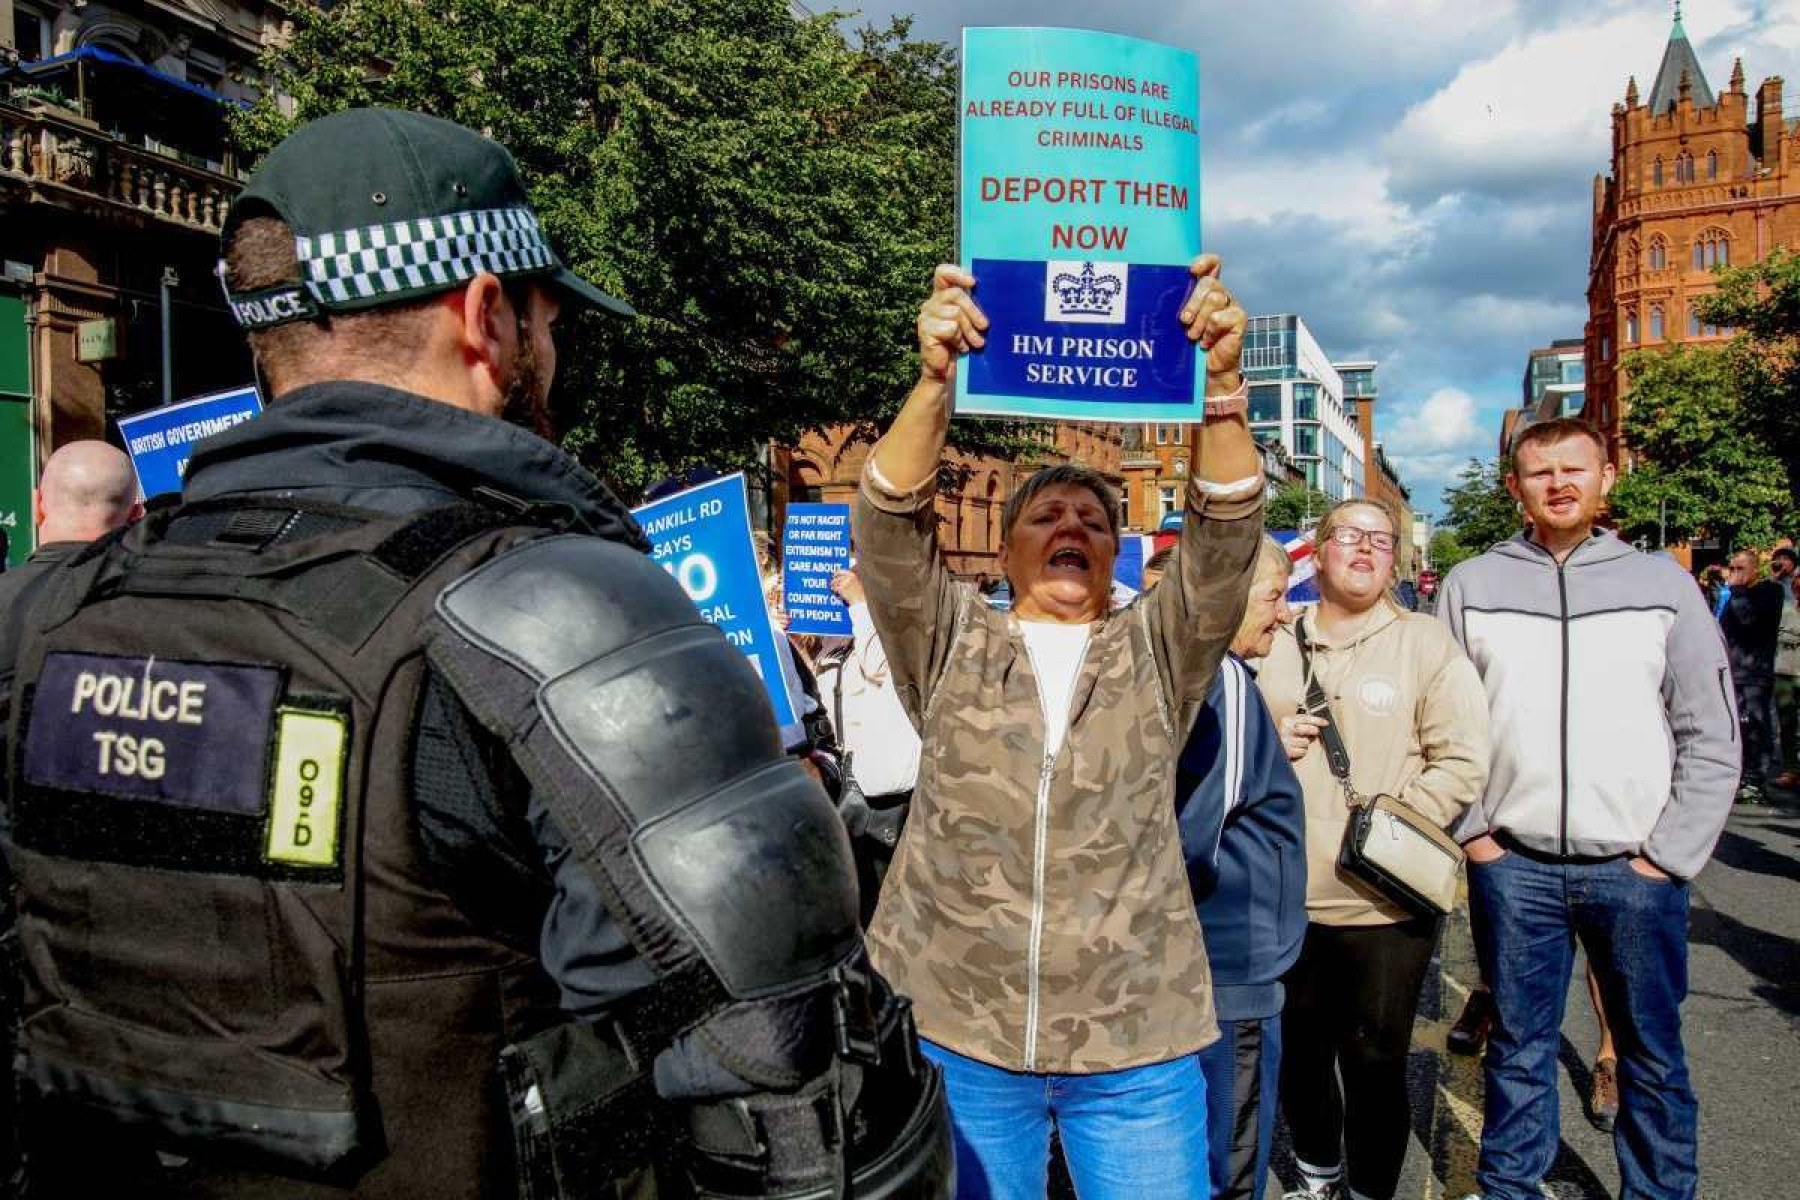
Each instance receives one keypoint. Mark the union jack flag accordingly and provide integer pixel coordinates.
(1303, 587)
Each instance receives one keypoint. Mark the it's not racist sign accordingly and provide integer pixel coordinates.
(815, 545)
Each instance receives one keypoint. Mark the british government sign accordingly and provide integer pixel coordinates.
(1078, 216)
(702, 538)
(815, 545)
(161, 440)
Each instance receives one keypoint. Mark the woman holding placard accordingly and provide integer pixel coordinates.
(1038, 910)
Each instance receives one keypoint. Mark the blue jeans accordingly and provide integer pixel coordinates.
(1126, 1135)
(1243, 1073)
(1528, 914)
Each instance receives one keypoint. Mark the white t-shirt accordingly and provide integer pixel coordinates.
(1056, 653)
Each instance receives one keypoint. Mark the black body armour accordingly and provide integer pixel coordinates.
(241, 976)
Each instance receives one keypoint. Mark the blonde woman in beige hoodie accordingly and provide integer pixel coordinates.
(1414, 720)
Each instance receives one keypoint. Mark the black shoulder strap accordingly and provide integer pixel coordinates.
(345, 585)
(837, 663)
(1337, 755)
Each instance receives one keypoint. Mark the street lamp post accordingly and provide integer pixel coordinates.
(170, 280)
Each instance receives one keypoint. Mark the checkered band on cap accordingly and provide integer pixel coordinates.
(407, 257)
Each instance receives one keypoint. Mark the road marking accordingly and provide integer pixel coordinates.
(1455, 1124)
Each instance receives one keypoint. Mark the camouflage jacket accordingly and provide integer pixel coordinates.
(1038, 913)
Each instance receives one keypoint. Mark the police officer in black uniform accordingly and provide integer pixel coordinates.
(383, 821)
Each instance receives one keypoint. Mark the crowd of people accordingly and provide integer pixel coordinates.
(1569, 712)
(382, 822)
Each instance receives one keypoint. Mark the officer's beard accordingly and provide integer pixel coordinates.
(528, 392)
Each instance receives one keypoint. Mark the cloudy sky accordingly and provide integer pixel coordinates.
(1414, 177)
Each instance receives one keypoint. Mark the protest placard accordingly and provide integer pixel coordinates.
(702, 538)
(815, 545)
(1079, 215)
(161, 440)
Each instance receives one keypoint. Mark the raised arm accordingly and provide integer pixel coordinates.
(949, 325)
(911, 594)
(1192, 623)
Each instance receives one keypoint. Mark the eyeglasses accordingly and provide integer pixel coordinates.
(1350, 535)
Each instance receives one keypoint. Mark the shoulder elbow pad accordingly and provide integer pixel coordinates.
(654, 744)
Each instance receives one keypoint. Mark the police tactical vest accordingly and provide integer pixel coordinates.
(229, 939)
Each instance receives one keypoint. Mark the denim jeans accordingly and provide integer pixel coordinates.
(1634, 929)
(1243, 1071)
(1126, 1135)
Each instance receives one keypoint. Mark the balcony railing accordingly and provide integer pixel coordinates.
(49, 152)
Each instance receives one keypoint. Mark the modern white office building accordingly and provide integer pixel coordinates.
(1297, 398)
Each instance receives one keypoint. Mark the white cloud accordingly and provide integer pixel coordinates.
(1433, 471)
(1445, 421)
(1345, 189)
(1534, 115)
(1510, 318)
(1295, 114)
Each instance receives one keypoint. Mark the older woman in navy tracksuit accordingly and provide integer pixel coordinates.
(1242, 815)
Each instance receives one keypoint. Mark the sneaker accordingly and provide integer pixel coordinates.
(1750, 793)
(1787, 780)
(1331, 1191)
(1603, 1095)
(1470, 1033)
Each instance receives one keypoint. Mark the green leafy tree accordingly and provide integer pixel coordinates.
(1703, 468)
(1295, 506)
(770, 194)
(1446, 551)
(1478, 510)
(1763, 301)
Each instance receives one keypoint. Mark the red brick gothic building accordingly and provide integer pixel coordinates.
(1697, 181)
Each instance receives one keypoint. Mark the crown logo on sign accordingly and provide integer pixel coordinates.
(1086, 294)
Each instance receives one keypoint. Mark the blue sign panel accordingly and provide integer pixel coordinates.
(1079, 214)
(815, 545)
(161, 440)
(702, 538)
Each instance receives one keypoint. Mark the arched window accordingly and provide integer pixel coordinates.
(1712, 164)
(1712, 249)
(1633, 256)
(1659, 253)
(1656, 172)
(1631, 327)
(1656, 322)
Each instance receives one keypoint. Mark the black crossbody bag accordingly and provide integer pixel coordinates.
(1388, 844)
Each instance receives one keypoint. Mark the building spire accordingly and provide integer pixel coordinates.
(1678, 61)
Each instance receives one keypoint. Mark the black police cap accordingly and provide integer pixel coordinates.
(389, 206)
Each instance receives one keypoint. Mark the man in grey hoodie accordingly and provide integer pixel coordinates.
(1615, 758)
